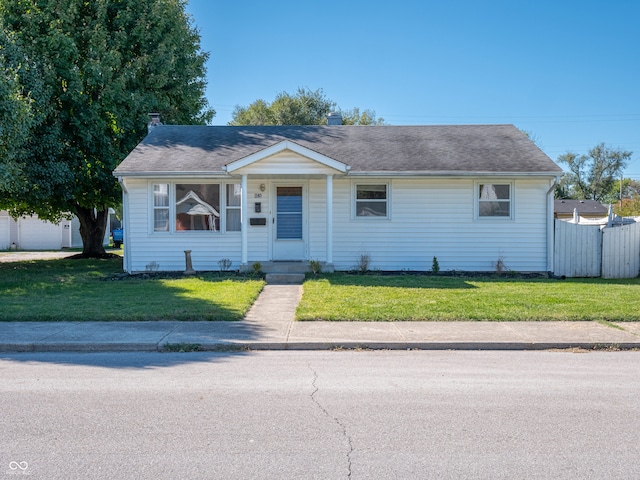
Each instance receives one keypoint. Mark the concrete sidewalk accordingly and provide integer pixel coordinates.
(270, 325)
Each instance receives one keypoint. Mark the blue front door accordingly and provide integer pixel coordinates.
(289, 223)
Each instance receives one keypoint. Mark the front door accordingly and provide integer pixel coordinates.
(288, 220)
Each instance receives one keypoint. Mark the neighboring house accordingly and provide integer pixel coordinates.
(400, 195)
(564, 209)
(31, 233)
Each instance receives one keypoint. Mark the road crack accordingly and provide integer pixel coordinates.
(335, 419)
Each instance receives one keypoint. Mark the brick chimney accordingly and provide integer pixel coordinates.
(334, 118)
(154, 121)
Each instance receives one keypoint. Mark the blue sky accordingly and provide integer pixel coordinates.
(568, 71)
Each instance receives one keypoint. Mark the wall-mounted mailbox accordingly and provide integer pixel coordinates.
(257, 207)
(258, 221)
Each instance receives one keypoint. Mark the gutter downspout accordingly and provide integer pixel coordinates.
(125, 221)
(550, 227)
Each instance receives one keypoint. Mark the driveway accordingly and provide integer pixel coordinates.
(34, 255)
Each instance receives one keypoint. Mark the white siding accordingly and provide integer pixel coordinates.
(435, 217)
(76, 238)
(427, 218)
(164, 251)
(5, 232)
(258, 237)
(285, 163)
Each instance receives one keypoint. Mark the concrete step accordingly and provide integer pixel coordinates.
(285, 278)
(286, 267)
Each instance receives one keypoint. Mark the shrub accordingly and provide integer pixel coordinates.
(224, 264)
(435, 266)
(257, 268)
(363, 264)
(315, 266)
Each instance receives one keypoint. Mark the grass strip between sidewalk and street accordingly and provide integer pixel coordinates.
(90, 290)
(348, 297)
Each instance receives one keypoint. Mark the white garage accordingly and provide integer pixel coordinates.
(36, 234)
(31, 233)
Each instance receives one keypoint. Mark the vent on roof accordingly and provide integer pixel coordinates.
(334, 118)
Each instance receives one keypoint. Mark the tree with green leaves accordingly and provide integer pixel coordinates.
(15, 106)
(357, 117)
(85, 75)
(305, 107)
(629, 205)
(594, 176)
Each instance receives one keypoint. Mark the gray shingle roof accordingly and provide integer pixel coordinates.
(585, 207)
(453, 149)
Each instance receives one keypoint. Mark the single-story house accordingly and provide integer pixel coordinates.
(399, 196)
(564, 209)
(33, 233)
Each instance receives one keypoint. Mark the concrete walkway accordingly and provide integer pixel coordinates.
(270, 325)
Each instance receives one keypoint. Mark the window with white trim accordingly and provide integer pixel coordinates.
(372, 200)
(161, 207)
(185, 207)
(233, 207)
(494, 200)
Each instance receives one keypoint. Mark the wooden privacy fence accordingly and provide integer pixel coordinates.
(596, 251)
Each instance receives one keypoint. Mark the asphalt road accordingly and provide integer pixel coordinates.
(321, 415)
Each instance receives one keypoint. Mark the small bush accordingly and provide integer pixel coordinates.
(363, 264)
(257, 268)
(435, 266)
(501, 267)
(315, 267)
(152, 266)
(224, 264)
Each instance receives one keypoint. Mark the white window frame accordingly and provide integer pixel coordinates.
(477, 201)
(227, 207)
(172, 207)
(354, 200)
(154, 207)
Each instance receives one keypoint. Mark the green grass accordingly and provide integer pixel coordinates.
(338, 297)
(85, 290)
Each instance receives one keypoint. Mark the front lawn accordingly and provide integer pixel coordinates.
(441, 298)
(89, 290)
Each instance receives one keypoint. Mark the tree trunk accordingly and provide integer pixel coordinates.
(92, 227)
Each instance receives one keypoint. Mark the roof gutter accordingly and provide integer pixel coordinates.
(171, 174)
(451, 174)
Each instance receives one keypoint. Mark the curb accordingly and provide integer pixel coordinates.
(302, 346)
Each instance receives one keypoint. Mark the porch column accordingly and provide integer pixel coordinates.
(244, 223)
(329, 219)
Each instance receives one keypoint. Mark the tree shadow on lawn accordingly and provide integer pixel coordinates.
(93, 290)
(80, 304)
